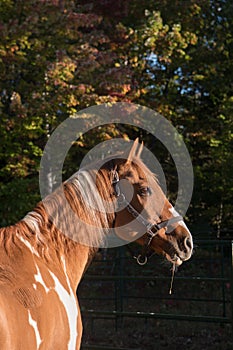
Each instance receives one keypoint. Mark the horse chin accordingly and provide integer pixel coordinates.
(170, 254)
(176, 260)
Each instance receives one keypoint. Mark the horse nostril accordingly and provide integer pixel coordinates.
(188, 243)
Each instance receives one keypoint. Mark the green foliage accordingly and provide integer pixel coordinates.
(58, 57)
(17, 198)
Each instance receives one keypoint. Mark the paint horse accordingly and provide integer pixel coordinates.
(43, 256)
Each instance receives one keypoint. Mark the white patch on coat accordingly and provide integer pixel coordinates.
(68, 299)
(38, 278)
(33, 323)
(28, 245)
(174, 214)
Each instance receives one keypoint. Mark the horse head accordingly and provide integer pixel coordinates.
(145, 214)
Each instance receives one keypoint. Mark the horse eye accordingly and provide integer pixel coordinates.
(145, 191)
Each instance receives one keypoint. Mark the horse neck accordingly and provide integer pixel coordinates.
(65, 226)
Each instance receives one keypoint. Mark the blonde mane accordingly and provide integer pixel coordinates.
(80, 211)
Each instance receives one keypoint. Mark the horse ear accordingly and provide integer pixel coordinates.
(140, 150)
(132, 152)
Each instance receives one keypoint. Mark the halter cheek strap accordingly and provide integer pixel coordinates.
(151, 229)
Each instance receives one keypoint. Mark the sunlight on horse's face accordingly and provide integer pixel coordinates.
(176, 244)
(142, 190)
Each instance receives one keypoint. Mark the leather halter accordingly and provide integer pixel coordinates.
(151, 229)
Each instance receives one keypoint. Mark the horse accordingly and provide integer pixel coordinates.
(44, 256)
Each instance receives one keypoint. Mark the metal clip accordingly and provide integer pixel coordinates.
(141, 262)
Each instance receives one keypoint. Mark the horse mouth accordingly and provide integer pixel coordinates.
(174, 252)
(174, 258)
(175, 255)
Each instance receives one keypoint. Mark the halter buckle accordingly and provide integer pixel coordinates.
(115, 185)
(121, 198)
(141, 262)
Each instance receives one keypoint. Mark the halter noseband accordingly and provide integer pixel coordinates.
(151, 229)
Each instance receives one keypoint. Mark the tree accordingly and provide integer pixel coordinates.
(58, 57)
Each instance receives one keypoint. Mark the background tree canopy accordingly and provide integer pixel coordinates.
(59, 56)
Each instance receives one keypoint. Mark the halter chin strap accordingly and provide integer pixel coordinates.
(151, 229)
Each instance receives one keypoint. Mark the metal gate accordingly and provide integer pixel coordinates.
(116, 289)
